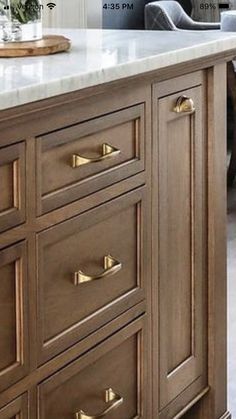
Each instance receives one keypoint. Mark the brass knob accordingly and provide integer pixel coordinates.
(184, 104)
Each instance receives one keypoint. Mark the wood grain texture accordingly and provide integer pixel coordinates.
(217, 239)
(82, 383)
(12, 186)
(60, 183)
(181, 245)
(14, 351)
(231, 80)
(186, 179)
(67, 312)
(18, 409)
(40, 374)
(49, 44)
(179, 207)
(215, 403)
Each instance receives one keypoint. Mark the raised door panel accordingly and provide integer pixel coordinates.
(90, 269)
(12, 186)
(18, 409)
(119, 363)
(13, 315)
(182, 248)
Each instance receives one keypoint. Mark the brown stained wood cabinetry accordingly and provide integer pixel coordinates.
(66, 309)
(18, 409)
(112, 251)
(182, 266)
(64, 173)
(12, 186)
(115, 364)
(14, 356)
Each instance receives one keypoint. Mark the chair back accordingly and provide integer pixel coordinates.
(166, 15)
(132, 15)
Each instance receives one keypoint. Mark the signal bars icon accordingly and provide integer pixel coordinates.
(51, 5)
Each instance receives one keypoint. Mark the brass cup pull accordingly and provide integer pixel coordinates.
(184, 105)
(108, 152)
(110, 396)
(111, 267)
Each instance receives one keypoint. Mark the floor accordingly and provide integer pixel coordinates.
(232, 301)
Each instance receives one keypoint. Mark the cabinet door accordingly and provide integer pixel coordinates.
(12, 186)
(13, 315)
(18, 409)
(181, 241)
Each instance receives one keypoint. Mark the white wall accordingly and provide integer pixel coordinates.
(94, 13)
(73, 14)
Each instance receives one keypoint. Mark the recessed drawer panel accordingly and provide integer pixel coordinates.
(90, 269)
(18, 409)
(79, 160)
(109, 381)
(13, 315)
(12, 186)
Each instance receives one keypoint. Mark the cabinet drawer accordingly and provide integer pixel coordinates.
(12, 186)
(117, 364)
(13, 315)
(18, 409)
(79, 160)
(90, 269)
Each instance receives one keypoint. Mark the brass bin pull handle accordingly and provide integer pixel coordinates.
(108, 151)
(184, 105)
(110, 396)
(111, 267)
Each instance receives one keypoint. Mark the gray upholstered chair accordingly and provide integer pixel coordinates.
(168, 15)
(133, 17)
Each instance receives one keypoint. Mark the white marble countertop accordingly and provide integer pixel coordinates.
(101, 56)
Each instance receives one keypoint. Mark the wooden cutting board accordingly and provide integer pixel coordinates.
(49, 44)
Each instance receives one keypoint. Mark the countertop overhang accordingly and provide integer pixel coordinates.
(103, 56)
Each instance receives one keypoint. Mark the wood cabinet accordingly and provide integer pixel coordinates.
(14, 354)
(181, 216)
(105, 259)
(76, 161)
(84, 385)
(18, 409)
(12, 187)
(112, 251)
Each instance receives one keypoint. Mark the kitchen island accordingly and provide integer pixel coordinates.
(113, 228)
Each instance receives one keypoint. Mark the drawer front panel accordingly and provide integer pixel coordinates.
(116, 364)
(182, 246)
(18, 409)
(79, 160)
(13, 315)
(12, 186)
(91, 269)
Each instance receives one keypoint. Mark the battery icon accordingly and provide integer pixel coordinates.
(223, 5)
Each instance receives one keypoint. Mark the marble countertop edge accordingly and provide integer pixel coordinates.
(37, 90)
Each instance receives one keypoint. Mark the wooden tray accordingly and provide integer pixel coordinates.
(50, 44)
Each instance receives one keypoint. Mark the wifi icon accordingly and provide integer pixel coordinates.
(51, 5)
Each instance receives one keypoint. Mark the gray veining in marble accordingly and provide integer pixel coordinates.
(100, 56)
